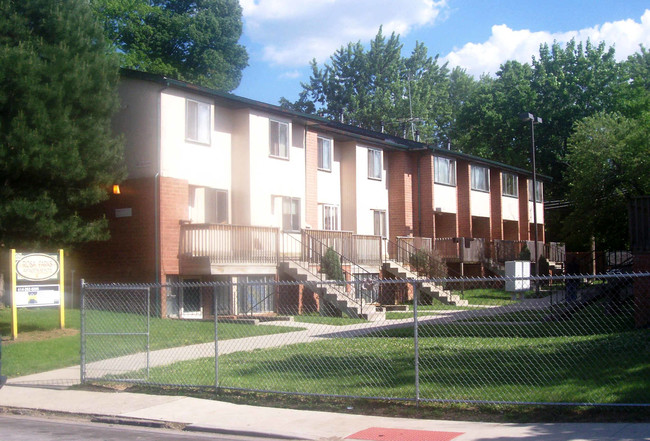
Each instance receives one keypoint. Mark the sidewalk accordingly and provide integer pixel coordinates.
(219, 417)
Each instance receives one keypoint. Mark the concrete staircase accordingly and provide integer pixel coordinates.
(334, 295)
(426, 288)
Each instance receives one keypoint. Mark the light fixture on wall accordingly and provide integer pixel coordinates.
(116, 189)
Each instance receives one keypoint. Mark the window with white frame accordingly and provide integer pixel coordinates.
(208, 205)
(330, 217)
(279, 139)
(197, 121)
(324, 153)
(444, 171)
(510, 185)
(480, 178)
(290, 214)
(539, 193)
(374, 164)
(379, 218)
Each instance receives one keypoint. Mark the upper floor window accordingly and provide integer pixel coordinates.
(330, 217)
(208, 205)
(290, 214)
(197, 121)
(509, 184)
(539, 193)
(279, 139)
(480, 178)
(444, 171)
(374, 164)
(324, 153)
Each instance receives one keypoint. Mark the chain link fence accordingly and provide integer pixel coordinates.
(563, 340)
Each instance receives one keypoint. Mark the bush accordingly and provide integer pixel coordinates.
(428, 264)
(543, 266)
(331, 265)
(524, 254)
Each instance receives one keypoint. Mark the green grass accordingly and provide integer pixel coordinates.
(487, 296)
(592, 358)
(325, 320)
(31, 356)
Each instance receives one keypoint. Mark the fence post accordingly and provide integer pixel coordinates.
(149, 329)
(417, 344)
(82, 302)
(216, 339)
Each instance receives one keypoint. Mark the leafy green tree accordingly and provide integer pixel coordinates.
(191, 40)
(58, 84)
(378, 88)
(608, 162)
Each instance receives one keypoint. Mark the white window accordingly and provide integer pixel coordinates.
(540, 197)
(197, 121)
(324, 154)
(379, 217)
(208, 205)
(374, 164)
(330, 217)
(444, 171)
(480, 178)
(279, 139)
(290, 214)
(510, 185)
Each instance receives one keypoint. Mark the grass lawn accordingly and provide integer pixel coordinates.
(591, 358)
(324, 320)
(41, 346)
(487, 296)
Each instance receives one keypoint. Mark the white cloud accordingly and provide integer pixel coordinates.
(291, 33)
(508, 44)
(291, 75)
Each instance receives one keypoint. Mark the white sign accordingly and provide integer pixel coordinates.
(37, 267)
(37, 295)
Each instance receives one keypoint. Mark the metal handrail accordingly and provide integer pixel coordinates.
(310, 252)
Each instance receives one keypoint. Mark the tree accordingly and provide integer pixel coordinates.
(608, 162)
(378, 88)
(191, 40)
(58, 84)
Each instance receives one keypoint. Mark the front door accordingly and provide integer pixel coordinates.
(190, 300)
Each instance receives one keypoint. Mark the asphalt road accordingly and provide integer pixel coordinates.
(23, 428)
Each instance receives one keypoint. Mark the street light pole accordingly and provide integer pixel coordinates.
(533, 120)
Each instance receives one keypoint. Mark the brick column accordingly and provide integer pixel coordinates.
(174, 195)
(464, 216)
(524, 224)
(400, 193)
(496, 220)
(427, 221)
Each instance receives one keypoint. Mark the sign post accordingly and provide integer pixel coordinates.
(37, 279)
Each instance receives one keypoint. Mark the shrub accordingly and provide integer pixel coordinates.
(428, 264)
(524, 254)
(331, 265)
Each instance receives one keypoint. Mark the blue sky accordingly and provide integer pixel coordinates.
(282, 36)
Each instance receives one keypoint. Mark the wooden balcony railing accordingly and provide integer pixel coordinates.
(460, 249)
(230, 244)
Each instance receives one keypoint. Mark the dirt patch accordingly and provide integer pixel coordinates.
(40, 335)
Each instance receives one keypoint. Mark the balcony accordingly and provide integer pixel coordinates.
(218, 245)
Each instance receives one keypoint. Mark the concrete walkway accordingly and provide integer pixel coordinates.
(306, 333)
(48, 392)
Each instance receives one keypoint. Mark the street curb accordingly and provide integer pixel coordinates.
(250, 433)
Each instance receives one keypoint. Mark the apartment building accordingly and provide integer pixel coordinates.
(225, 188)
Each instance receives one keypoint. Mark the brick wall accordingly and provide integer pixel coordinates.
(523, 209)
(311, 179)
(128, 256)
(400, 194)
(174, 194)
(496, 221)
(446, 225)
(463, 187)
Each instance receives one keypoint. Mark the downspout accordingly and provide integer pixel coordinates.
(419, 198)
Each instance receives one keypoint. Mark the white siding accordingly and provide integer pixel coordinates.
(479, 203)
(372, 194)
(445, 198)
(509, 208)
